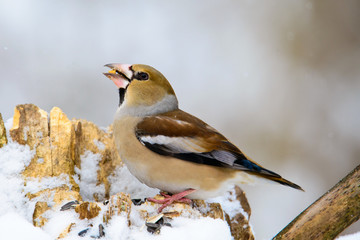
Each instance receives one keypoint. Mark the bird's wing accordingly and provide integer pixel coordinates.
(183, 136)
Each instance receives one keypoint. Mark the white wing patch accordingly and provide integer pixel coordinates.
(176, 144)
(179, 122)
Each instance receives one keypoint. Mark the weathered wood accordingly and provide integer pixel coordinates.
(3, 139)
(89, 137)
(31, 127)
(330, 214)
(243, 230)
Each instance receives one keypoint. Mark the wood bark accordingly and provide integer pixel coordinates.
(3, 138)
(331, 214)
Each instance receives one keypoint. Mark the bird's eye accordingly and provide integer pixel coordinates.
(141, 76)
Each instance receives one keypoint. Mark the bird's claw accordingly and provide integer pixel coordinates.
(169, 199)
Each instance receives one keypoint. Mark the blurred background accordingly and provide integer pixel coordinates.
(281, 79)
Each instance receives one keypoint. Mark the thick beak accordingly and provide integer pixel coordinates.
(120, 74)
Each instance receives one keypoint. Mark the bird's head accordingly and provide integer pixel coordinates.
(140, 85)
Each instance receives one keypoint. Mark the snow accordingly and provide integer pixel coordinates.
(124, 181)
(34, 185)
(118, 229)
(14, 226)
(13, 159)
(99, 145)
(16, 210)
(354, 236)
(88, 176)
(185, 228)
(182, 228)
(229, 204)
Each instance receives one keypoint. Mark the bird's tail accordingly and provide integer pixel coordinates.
(267, 174)
(285, 182)
(244, 163)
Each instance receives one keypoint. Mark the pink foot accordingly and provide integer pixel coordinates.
(179, 197)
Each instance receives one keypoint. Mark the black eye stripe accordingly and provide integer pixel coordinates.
(141, 76)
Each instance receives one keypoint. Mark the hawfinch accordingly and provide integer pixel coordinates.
(169, 149)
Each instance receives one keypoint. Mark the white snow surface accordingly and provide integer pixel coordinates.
(354, 236)
(34, 185)
(231, 207)
(124, 181)
(13, 159)
(13, 227)
(88, 176)
(16, 210)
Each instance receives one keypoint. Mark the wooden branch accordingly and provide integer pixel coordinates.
(330, 214)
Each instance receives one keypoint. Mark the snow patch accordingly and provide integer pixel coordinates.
(354, 236)
(99, 145)
(8, 125)
(230, 204)
(184, 228)
(13, 226)
(58, 221)
(26, 129)
(34, 185)
(88, 176)
(13, 160)
(117, 228)
(123, 181)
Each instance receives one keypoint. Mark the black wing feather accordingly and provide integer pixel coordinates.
(218, 158)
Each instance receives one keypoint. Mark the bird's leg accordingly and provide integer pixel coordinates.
(179, 197)
(165, 194)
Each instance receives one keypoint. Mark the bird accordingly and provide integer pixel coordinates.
(169, 149)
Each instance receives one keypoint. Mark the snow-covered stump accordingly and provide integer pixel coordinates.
(75, 163)
(239, 222)
(138, 216)
(92, 143)
(49, 178)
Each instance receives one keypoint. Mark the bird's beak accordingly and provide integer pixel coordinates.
(120, 74)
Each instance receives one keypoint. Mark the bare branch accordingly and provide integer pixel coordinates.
(330, 214)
